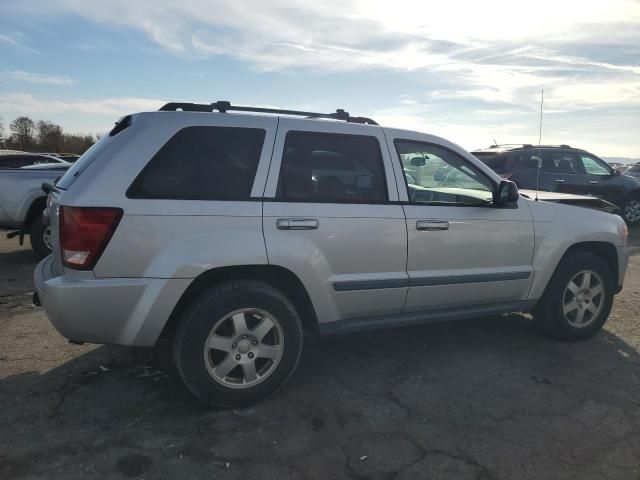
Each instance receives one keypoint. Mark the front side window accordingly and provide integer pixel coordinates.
(202, 163)
(336, 168)
(594, 166)
(438, 176)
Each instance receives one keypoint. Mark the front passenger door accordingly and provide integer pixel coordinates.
(462, 251)
(566, 173)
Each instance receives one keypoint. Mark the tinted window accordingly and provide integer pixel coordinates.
(83, 162)
(594, 166)
(561, 162)
(202, 163)
(436, 175)
(321, 167)
(494, 161)
(18, 161)
(634, 169)
(528, 159)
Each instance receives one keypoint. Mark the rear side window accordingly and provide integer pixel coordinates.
(202, 163)
(495, 162)
(323, 167)
(528, 159)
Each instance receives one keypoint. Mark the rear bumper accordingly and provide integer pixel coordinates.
(124, 311)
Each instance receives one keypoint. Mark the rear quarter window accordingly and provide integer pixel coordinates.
(202, 163)
(496, 162)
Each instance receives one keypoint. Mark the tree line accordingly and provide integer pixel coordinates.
(42, 136)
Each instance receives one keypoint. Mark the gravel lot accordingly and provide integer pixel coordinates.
(483, 399)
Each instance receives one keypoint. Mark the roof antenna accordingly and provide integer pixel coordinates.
(539, 143)
(494, 142)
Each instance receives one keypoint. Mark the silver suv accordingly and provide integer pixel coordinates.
(233, 235)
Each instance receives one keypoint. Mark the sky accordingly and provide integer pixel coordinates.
(470, 71)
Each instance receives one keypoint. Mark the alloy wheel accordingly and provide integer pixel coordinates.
(632, 211)
(46, 238)
(244, 348)
(583, 299)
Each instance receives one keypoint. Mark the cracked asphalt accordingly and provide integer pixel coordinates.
(480, 399)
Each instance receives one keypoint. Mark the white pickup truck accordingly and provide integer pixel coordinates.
(22, 201)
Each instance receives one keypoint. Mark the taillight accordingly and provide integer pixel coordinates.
(84, 234)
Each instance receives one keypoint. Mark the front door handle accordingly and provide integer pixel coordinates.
(297, 224)
(429, 225)
(593, 182)
(559, 180)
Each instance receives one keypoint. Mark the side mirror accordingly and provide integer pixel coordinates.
(616, 172)
(507, 193)
(418, 161)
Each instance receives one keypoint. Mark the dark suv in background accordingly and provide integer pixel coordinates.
(565, 169)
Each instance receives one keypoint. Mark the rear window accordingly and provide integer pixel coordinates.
(635, 169)
(82, 163)
(496, 162)
(202, 163)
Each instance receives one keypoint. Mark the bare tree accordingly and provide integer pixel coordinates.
(74, 143)
(49, 136)
(22, 129)
(2, 139)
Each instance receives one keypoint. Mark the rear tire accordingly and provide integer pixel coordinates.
(40, 238)
(631, 210)
(578, 299)
(238, 343)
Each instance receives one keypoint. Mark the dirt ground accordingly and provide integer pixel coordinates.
(480, 399)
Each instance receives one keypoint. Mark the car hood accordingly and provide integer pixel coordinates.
(570, 199)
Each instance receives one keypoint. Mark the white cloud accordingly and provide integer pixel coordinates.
(514, 47)
(40, 78)
(482, 64)
(12, 42)
(22, 102)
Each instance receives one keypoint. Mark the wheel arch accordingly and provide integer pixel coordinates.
(605, 250)
(35, 210)
(278, 277)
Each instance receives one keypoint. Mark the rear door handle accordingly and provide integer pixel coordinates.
(559, 180)
(593, 182)
(297, 224)
(429, 225)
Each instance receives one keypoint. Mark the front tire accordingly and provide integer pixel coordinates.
(40, 238)
(238, 343)
(578, 299)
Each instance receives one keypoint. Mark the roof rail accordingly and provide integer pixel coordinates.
(224, 106)
(527, 145)
(500, 145)
(548, 146)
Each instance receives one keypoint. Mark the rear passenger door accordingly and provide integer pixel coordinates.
(332, 217)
